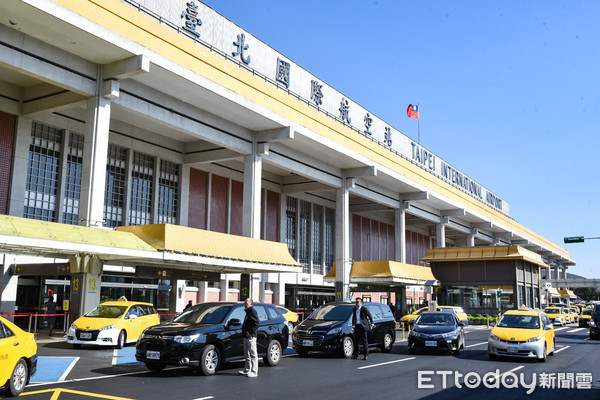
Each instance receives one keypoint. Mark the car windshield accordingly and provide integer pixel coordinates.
(204, 314)
(519, 321)
(332, 313)
(553, 310)
(103, 311)
(435, 319)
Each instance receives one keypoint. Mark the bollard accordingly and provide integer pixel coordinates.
(35, 324)
(402, 324)
(29, 330)
(488, 322)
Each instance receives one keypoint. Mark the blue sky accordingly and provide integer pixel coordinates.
(509, 91)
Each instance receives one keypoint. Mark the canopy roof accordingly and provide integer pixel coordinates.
(449, 254)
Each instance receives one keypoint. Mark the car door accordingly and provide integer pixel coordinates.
(233, 341)
(265, 329)
(375, 335)
(548, 332)
(8, 352)
(131, 322)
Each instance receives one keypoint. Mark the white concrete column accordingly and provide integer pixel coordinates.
(19, 177)
(440, 233)
(342, 241)
(279, 291)
(202, 292)
(179, 287)
(8, 286)
(251, 207)
(224, 285)
(400, 233)
(470, 240)
(95, 149)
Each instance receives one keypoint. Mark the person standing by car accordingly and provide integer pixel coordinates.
(362, 321)
(249, 328)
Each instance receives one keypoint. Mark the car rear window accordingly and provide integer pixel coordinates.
(273, 314)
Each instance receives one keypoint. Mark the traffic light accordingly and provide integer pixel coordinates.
(574, 239)
(499, 293)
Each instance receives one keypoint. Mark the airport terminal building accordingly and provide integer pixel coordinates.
(155, 149)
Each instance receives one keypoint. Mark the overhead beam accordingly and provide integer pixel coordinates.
(278, 134)
(52, 103)
(127, 68)
(368, 207)
(208, 156)
(361, 171)
(483, 225)
(414, 196)
(305, 187)
(456, 212)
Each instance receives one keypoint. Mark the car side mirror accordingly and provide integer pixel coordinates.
(548, 327)
(132, 316)
(234, 322)
(460, 323)
(493, 323)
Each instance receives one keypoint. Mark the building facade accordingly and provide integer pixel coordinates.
(135, 113)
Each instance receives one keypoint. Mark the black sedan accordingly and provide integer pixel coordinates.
(207, 335)
(437, 331)
(329, 328)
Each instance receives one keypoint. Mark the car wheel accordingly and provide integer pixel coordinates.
(76, 345)
(462, 345)
(273, 353)
(347, 347)
(155, 366)
(545, 355)
(290, 327)
(121, 340)
(388, 342)
(210, 360)
(18, 378)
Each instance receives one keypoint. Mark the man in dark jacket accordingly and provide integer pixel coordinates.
(249, 328)
(362, 321)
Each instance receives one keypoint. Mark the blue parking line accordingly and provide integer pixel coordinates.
(126, 355)
(52, 369)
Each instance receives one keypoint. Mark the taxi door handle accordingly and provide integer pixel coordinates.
(16, 343)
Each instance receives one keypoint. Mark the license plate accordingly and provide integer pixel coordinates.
(307, 343)
(153, 355)
(430, 343)
(85, 335)
(512, 350)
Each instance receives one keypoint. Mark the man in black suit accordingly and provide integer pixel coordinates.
(362, 321)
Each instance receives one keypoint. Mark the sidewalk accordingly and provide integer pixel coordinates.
(42, 336)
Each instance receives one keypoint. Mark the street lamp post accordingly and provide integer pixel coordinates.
(577, 239)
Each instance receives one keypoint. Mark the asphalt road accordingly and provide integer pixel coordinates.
(66, 373)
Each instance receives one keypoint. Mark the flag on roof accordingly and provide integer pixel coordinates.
(413, 111)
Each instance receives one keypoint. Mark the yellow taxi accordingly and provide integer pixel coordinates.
(18, 358)
(522, 333)
(557, 315)
(585, 317)
(290, 316)
(460, 313)
(411, 318)
(573, 315)
(113, 323)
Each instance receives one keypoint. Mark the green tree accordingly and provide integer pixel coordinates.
(587, 294)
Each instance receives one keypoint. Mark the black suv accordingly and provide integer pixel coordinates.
(329, 328)
(595, 323)
(207, 335)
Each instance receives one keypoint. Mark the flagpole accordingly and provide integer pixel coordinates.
(419, 124)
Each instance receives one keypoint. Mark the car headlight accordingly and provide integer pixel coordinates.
(186, 338)
(534, 339)
(413, 333)
(74, 327)
(106, 328)
(452, 334)
(494, 337)
(592, 323)
(334, 331)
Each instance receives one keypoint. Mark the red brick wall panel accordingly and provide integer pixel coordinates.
(8, 128)
(237, 208)
(218, 204)
(198, 196)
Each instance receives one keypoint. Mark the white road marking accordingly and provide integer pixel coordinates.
(64, 375)
(115, 355)
(205, 398)
(510, 370)
(561, 349)
(476, 344)
(575, 330)
(561, 328)
(386, 363)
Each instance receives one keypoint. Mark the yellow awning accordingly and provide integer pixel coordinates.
(51, 239)
(448, 254)
(198, 242)
(387, 272)
(567, 293)
(553, 291)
